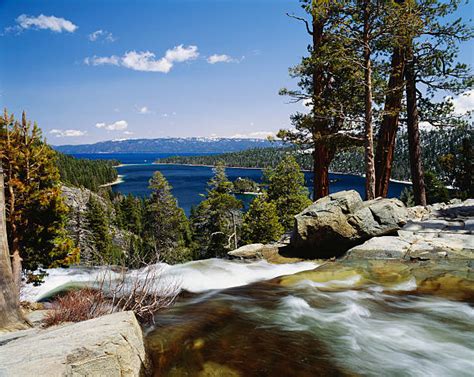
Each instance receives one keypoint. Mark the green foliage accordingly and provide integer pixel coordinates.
(90, 174)
(286, 188)
(167, 226)
(36, 213)
(436, 191)
(215, 221)
(407, 197)
(261, 223)
(458, 168)
(243, 185)
(98, 225)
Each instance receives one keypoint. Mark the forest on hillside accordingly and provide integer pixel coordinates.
(81, 172)
(435, 144)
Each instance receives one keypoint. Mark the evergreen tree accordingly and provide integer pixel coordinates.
(36, 213)
(330, 87)
(261, 223)
(98, 225)
(287, 190)
(216, 220)
(168, 227)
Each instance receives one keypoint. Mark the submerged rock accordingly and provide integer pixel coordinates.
(107, 346)
(335, 223)
(451, 279)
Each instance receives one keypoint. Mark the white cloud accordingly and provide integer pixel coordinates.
(144, 110)
(101, 35)
(67, 133)
(146, 61)
(102, 60)
(182, 54)
(222, 58)
(128, 133)
(56, 24)
(464, 103)
(116, 126)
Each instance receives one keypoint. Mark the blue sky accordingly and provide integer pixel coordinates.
(89, 74)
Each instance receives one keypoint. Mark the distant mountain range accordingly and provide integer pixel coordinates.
(169, 145)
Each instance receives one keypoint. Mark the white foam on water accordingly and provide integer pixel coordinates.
(377, 334)
(196, 276)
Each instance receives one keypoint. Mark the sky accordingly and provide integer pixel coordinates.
(93, 70)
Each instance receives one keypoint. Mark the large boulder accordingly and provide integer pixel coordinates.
(337, 222)
(112, 345)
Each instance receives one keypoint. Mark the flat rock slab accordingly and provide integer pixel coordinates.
(387, 247)
(111, 345)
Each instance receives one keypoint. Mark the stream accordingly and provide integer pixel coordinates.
(243, 319)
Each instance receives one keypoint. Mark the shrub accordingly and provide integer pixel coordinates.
(75, 306)
(142, 292)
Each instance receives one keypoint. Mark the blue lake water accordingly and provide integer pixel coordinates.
(190, 182)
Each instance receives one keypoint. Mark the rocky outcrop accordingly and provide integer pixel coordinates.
(442, 231)
(77, 199)
(335, 223)
(107, 346)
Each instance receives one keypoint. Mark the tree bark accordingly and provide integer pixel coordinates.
(10, 314)
(321, 153)
(15, 244)
(369, 133)
(414, 147)
(322, 156)
(388, 129)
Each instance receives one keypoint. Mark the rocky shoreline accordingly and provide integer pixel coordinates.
(342, 225)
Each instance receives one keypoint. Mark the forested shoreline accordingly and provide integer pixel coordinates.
(438, 145)
(81, 172)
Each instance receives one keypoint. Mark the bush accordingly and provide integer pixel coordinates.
(142, 292)
(76, 306)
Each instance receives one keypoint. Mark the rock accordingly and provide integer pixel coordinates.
(273, 253)
(451, 279)
(107, 346)
(252, 251)
(335, 223)
(387, 247)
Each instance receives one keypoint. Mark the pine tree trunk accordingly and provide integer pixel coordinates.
(322, 158)
(10, 314)
(414, 147)
(388, 130)
(369, 136)
(321, 153)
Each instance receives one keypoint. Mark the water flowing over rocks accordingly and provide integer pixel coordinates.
(112, 345)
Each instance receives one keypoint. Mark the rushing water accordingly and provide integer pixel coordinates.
(239, 319)
(190, 182)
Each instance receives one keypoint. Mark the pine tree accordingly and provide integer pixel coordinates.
(36, 213)
(331, 88)
(261, 223)
(287, 190)
(168, 227)
(98, 225)
(216, 220)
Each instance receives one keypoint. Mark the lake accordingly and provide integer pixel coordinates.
(190, 182)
